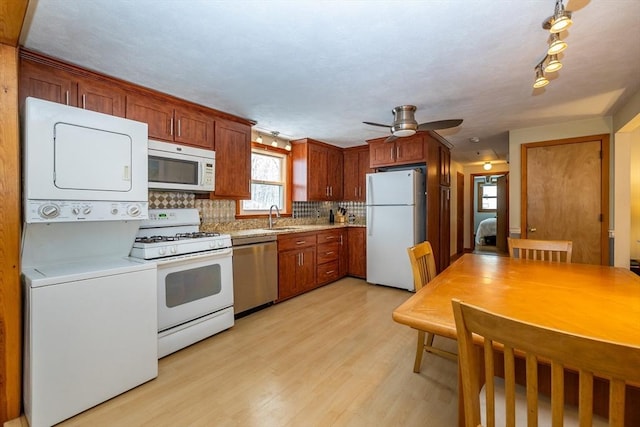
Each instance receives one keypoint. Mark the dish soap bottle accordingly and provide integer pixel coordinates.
(331, 217)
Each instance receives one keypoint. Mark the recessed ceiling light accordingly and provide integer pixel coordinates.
(474, 139)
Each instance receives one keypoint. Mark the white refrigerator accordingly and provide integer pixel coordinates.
(396, 220)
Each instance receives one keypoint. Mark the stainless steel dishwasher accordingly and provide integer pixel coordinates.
(255, 272)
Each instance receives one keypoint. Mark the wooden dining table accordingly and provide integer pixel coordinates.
(593, 300)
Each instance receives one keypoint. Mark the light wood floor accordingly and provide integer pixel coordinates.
(332, 357)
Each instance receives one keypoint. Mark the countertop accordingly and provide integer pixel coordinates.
(287, 229)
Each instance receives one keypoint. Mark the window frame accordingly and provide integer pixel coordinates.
(480, 193)
(286, 156)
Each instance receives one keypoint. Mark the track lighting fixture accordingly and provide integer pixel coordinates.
(259, 139)
(556, 23)
(559, 21)
(541, 80)
(556, 44)
(275, 134)
(288, 146)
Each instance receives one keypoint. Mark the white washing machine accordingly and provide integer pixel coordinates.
(90, 334)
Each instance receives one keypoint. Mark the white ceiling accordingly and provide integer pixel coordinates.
(319, 69)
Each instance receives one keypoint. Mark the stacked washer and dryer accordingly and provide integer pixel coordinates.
(90, 330)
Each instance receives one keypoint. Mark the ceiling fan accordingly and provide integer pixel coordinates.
(405, 124)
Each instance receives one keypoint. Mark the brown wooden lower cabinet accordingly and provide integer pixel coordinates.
(296, 264)
(312, 259)
(357, 252)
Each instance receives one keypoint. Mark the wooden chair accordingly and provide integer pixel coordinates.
(544, 250)
(588, 356)
(423, 265)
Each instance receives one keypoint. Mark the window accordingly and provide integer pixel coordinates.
(487, 197)
(268, 181)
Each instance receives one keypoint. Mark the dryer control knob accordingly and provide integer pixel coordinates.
(133, 210)
(49, 211)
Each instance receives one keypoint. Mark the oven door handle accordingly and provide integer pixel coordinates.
(214, 254)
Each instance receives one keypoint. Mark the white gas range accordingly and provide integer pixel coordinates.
(195, 277)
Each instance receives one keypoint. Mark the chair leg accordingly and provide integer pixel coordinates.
(430, 339)
(419, 351)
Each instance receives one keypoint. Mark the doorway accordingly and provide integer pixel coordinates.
(489, 212)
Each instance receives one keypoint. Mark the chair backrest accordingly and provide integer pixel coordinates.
(616, 362)
(544, 250)
(423, 264)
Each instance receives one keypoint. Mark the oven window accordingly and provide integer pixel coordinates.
(185, 286)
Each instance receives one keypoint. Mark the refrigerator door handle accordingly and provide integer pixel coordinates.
(369, 194)
(370, 220)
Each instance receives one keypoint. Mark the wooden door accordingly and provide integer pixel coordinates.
(363, 170)
(381, 153)
(334, 173)
(194, 128)
(410, 150)
(317, 173)
(102, 97)
(43, 82)
(233, 159)
(565, 194)
(156, 113)
(351, 177)
(502, 213)
(444, 256)
(357, 252)
(460, 213)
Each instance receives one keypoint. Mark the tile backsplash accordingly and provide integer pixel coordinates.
(223, 211)
(171, 200)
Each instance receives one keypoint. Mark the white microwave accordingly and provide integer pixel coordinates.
(180, 168)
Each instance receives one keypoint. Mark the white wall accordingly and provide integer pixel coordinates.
(517, 137)
(627, 195)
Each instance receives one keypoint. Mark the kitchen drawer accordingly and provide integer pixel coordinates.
(328, 272)
(295, 241)
(328, 252)
(329, 236)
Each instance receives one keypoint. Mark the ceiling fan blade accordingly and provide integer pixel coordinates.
(391, 138)
(439, 124)
(376, 124)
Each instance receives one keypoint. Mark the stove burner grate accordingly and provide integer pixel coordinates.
(178, 236)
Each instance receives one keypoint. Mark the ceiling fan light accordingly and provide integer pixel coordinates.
(553, 65)
(403, 132)
(557, 45)
(541, 80)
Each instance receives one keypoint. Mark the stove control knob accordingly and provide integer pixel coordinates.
(49, 211)
(174, 249)
(75, 211)
(212, 245)
(162, 251)
(133, 210)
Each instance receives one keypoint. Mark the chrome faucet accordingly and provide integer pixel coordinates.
(271, 215)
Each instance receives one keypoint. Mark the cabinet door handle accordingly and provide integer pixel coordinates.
(397, 152)
(331, 191)
(66, 97)
(301, 242)
(301, 258)
(84, 101)
(329, 272)
(392, 158)
(179, 128)
(171, 127)
(329, 253)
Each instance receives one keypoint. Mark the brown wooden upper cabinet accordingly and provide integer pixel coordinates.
(233, 159)
(402, 151)
(57, 85)
(317, 171)
(181, 124)
(356, 167)
(445, 165)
